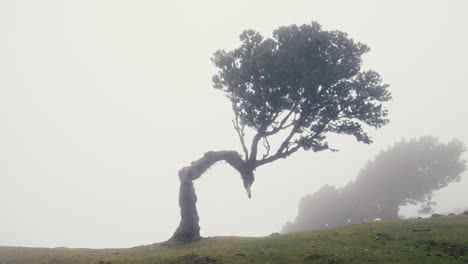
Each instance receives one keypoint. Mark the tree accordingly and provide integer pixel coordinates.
(298, 86)
(409, 172)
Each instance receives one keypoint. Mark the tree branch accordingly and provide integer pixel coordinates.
(305, 114)
(281, 125)
(241, 134)
(198, 167)
(266, 144)
(254, 147)
(293, 131)
(284, 150)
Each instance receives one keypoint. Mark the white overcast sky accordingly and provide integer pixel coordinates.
(102, 102)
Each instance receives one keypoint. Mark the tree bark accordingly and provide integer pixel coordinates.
(189, 228)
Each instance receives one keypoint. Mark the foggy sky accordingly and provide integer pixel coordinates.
(102, 102)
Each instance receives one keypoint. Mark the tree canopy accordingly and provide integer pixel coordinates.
(300, 84)
(406, 173)
(304, 80)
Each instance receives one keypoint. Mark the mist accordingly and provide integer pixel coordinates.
(101, 104)
(407, 173)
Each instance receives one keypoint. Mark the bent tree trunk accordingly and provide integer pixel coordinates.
(189, 229)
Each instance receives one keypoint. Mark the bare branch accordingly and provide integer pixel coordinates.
(198, 167)
(281, 125)
(277, 155)
(280, 153)
(241, 134)
(304, 115)
(293, 131)
(266, 144)
(254, 147)
(287, 148)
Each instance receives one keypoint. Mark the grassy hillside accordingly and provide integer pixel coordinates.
(434, 240)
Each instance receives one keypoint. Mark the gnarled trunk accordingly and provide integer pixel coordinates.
(189, 229)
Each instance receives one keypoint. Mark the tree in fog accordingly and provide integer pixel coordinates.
(296, 87)
(407, 173)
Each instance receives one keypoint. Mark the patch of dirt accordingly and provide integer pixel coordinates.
(315, 256)
(448, 249)
(383, 237)
(193, 259)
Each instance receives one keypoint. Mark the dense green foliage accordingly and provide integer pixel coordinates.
(425, 241)
(305, 79)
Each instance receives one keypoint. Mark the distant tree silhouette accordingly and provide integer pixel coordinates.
(407, 173)
(299, 85)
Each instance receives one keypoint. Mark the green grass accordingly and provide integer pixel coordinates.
(433, 240)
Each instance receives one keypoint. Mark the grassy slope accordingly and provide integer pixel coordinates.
(435, 240)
